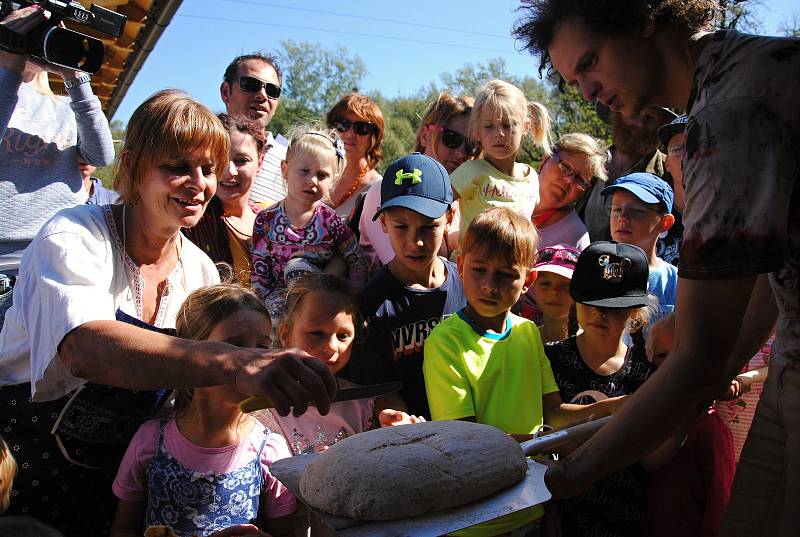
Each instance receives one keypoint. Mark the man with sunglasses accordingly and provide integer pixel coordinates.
(251, 87)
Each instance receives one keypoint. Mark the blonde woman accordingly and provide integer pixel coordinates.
(576, 163)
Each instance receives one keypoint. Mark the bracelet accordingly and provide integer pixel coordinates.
(72, 82)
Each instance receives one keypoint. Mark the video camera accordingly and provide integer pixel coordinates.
(60, 46)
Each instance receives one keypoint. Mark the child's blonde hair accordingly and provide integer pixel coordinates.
(204, 309)
(8, 470)
(319, 141)
(504, 232)
(508, 101)
(320, 282)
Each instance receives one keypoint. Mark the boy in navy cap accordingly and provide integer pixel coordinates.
(641, 210)
(415, 290)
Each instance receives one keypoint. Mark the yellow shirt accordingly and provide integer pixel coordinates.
(480, 186)
(500, 379)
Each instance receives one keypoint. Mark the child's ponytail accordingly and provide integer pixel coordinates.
(540, 126)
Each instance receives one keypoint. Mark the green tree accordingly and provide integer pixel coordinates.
(740, 15)
(314, 79)
(791, 27)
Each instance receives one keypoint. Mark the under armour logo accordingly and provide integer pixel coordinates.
(613, 271)
(415, 176)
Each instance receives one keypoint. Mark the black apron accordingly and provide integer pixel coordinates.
(68, 450)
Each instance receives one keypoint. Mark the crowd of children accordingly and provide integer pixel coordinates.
(456, 332)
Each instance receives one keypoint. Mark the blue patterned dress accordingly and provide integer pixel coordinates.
(197, 503)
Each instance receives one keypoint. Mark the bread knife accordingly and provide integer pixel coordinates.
(254, 403)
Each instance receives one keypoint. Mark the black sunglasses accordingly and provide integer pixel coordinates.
(362, 128)
(454, 140)
(251, 85)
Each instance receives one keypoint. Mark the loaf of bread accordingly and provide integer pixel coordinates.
(409, 470)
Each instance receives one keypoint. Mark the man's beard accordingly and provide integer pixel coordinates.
(631, 140)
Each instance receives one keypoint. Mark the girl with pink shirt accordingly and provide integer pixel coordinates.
(322, 319)
(206, 468)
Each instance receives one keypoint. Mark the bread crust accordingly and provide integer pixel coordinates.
(409, 470)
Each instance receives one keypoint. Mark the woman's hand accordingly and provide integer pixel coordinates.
(288, 379)
(390, 417)
(21, 21)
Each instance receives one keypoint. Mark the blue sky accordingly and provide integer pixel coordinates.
(405, 45)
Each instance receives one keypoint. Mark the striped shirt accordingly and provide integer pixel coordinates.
(269, 186)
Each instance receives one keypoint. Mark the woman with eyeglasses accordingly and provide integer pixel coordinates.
(442, 135)
(359, 123)
(577, 161)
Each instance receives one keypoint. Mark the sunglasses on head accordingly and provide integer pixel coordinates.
(252, 85)
(454, 140)
(362, 128)
(547, 255)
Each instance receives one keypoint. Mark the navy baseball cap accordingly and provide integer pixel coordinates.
(610, 274)
(647, 187)
(667, 131)
(417, 182)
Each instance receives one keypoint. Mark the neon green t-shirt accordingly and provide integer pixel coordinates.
(480, 186)
(500, 379)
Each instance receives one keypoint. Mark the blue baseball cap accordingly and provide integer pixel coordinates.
(417, 182)
(647, 187)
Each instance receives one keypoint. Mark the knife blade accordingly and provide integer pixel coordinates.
(251, 404)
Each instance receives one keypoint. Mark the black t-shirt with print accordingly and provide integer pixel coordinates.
(615, 505)
(399, 319)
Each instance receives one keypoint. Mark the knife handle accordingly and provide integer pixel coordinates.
(251, 404)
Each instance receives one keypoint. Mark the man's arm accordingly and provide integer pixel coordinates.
(709, 319)
(118, 354)
(758, 325)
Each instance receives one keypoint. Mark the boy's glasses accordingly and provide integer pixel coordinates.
(634, 213)
(454, 140)
(361, 128)
(252, 85)
(549, 255)
(567, 171)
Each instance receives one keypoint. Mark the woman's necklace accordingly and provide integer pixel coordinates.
(225, 219)
(356, 185)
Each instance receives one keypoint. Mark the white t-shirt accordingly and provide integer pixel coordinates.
(73, 273)
(569, 230)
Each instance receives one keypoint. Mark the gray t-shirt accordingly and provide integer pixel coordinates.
(741, 170)
(41, 137)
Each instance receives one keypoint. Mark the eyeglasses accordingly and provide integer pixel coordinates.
(454, 140)
(252, 85)
(675, 151)
(548, 255)
(633, 213)
(362, 128)
(567, 171)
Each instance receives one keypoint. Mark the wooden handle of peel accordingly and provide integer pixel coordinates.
(546, 443)
(750, 377)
